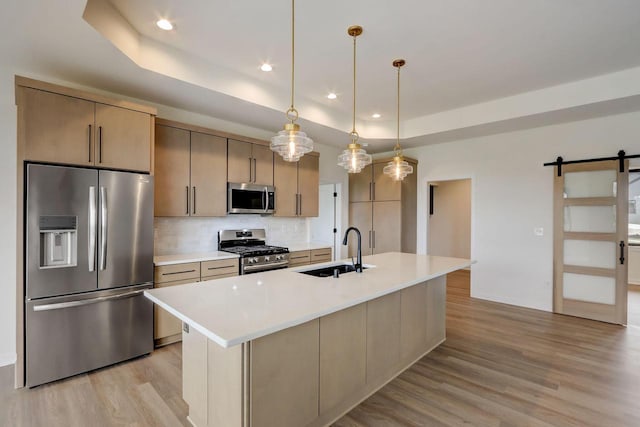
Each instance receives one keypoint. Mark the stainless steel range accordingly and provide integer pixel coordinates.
(255, 254)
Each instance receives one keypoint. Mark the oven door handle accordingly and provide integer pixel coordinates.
(262, 267)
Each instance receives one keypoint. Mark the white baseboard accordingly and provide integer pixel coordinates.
(510, 301)
(7, 359)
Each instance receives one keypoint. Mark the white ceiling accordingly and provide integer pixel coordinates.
(472, 66)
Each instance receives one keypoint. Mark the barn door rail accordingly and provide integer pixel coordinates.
(621, 157)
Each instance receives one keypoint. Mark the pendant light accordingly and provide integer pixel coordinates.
(398, 168)
(354, 158)
(291, 143)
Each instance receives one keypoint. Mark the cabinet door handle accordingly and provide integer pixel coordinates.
(373, 232)
(373, 184)
(89, 142)
(250, 171)
(187, 199)
(370, 191)
(255, 171)
(300, 204)
(100, 144)
(194, 200)
(369, 238)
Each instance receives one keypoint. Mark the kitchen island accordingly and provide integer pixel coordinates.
(282, 348)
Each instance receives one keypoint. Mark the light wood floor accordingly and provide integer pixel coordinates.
(633, 310)
(500, 366)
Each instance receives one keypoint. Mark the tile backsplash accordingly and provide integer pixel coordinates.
(185, 235)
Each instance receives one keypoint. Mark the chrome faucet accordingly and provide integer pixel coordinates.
(358, 263)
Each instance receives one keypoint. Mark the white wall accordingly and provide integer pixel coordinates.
(7, 217)
(512, 193)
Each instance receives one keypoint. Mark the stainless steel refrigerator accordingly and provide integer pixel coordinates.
(88, 258)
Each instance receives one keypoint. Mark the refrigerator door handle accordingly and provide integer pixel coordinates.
(91, 251)
(103, 227)
(69, 304)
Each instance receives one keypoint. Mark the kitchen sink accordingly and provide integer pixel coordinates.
(327, 271)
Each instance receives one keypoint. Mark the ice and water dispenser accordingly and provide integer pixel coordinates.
(58, 241)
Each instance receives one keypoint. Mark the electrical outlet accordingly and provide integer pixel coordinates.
(538, 231)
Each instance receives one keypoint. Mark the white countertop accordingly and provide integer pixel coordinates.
(195, 257)
(238, 309)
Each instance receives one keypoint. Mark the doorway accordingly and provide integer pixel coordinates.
(449, 227)
(324, 227)
(633, 298)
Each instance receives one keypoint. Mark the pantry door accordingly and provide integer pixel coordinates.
(590, 241)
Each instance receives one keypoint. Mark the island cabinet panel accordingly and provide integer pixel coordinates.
(383, 337)
(58, 128)
(172, 171)
(284, 377)
(343, 360)
(225, 385)
(195, 374)
(436, 314)
(123, 138)
(413, 324)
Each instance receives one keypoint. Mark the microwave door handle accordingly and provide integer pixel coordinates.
(266, 199)
(103, 227)
(91, 249)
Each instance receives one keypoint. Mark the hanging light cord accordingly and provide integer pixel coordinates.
(354, 134)
(292, 113)
(397, 149)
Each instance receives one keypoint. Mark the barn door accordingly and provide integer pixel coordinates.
(590, 241)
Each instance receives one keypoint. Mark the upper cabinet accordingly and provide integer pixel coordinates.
(191, 172)
(297, 185)
(249, 162)
(61, 125)
(384, 210)
(371, 184)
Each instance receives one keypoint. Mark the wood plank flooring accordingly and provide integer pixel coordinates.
(500, 366)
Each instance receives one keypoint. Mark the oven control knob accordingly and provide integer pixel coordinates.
(266, 259)
(278, 257)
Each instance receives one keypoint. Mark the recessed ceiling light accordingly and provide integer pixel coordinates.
(332, 95)
(376, 115)
(266, 67)
(165, 24)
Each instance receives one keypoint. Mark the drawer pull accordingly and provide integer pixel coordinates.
(299, 257)
(217, 268)
(178, 272)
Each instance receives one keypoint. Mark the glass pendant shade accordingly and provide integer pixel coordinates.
(291, 143)
(354, 158)
(398, 168)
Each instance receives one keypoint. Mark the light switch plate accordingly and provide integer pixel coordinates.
(538, 231)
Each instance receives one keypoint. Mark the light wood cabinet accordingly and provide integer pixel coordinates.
(191, 172)
(123, 138)
(60, 128)
(383, 210)
(383, 336)
(249, 162)
(314, 256)
(194, 374)
(297, 186)
(167, 327)
(343, 355)
(284, 377)
(413, 321)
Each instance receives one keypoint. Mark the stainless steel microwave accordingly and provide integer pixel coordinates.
(250, 198)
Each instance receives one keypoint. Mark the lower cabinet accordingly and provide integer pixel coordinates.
(313, 373)
(168, 328)
(313, 256)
